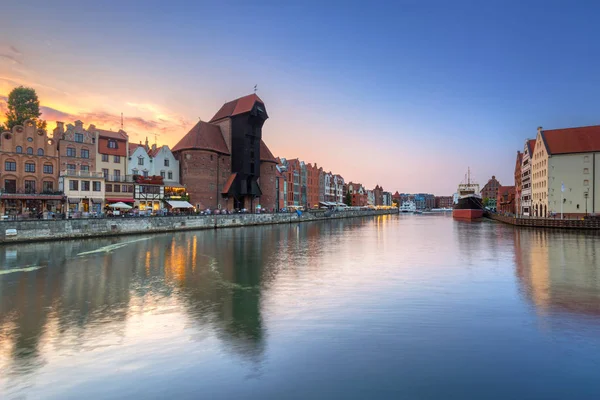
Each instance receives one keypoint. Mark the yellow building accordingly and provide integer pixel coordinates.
(565, 170)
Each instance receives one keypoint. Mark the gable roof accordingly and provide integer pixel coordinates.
(153, 152)
(133, 147)
(265, 153)
(120, 135)
(203, 136)
(572, 140)
(237, 106)
(531, 146)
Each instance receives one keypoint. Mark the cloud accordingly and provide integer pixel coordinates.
(10, 58)
(14, 50)
(10, 53)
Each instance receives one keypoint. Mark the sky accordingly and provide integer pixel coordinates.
(404, 94)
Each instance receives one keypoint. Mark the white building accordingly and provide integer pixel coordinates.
(526, 177)
(165, 164)
(84, 190)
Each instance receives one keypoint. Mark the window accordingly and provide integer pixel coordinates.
(105, 157)
(166, 162)
(105, 173)
(85, 186)
(85, 153)
(586, 182)
(29, 167)
(40, 152)
(10, 166)
(117, 159)
(586, 170)
(117, 174)
(145, 174)
(140, 160)
(73, 184)
(30, 139)
(162, 173)
(170, 175)
(10, 185)
(586, 159)
(71, 152)
(112, 144)
(135, 172)
(97, 186)
(108, 187)
(19, 149)
(79, 137)
(117, 188)
(48, 186)
(71, 167)
(48, 169)
(30, 187)
(85, 168)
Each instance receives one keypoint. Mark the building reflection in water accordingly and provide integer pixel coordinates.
(558, 270)
(216, 278)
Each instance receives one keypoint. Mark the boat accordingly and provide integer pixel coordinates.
(469, 206)
(408, 207)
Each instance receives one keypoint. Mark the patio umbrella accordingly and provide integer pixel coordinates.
(120, 205)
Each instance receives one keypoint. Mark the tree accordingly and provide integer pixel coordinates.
(348, 199)
(23, 104)
(2, 128)
(396, 203)
(486, 201)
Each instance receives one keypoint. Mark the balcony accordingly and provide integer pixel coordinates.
(31, 194)
(119, 178)
(81, 174)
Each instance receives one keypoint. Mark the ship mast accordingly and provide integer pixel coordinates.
(469, 172)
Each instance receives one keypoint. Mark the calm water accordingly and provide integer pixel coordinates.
(408, 307)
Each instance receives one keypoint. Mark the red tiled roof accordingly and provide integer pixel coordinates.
(120, 135)
(237, 106)
(133, 147)
(531, 144)
(572, 140)
(229, 183)
(203, 136)
(265, 153)
(153, 152)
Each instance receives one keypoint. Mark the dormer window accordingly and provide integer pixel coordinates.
(112, 144)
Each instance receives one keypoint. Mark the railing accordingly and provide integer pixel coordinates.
(81, 174)
(30, 192)
(119, 178)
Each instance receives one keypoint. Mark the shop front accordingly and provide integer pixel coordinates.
(30, 205)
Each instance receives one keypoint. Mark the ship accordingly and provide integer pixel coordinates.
(408, 207)
(469, 205)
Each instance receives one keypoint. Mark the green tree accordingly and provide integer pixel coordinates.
(486, 201)
(23, 104)
(2, 128)
(348, 199)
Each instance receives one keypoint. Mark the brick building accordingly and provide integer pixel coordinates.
(224, 163)
(490, 190)
(444, 202)
(378, 195)
(358, 194)
(396, 198)
(517, 201)
(29, 177)
(505, 202)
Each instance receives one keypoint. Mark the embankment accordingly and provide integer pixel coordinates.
(39, 230)
(588, 224)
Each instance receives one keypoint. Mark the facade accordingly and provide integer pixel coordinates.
(444, 201)
(518, 184)
(387, 199)
(526, 193)
(281, 188)
(570, 159)
(139, 161)
(221, 161)
(112, 162)
(164, 164)
(505, 202)
(292, 170)
(370, 197)
(84, 191)
(312, 190)
(338, 191)
(358, 194)
(29, 175)
(490, 192)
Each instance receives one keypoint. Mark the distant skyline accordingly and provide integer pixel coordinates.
(404, 94)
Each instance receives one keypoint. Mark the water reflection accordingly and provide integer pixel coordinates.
(559, 270)
(215, 278)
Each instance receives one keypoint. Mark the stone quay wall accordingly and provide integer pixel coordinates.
(587, 224)
(40, 230)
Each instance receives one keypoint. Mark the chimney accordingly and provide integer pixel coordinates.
(147, 143)
(154, 147)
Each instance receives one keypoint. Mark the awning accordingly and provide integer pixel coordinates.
(96, 201)
(74, 200)
(179, 204)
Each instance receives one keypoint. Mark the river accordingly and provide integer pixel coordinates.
(408, 307)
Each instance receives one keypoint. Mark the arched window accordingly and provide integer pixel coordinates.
(29, 150)
(19, 149)
(40, 152)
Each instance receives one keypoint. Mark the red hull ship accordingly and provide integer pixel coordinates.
(469, 206)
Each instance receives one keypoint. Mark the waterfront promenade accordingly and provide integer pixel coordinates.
(40, 230)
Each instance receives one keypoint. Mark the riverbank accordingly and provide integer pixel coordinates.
(42, 230)
(589, 224)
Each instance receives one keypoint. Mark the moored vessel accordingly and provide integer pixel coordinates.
(469, 205)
